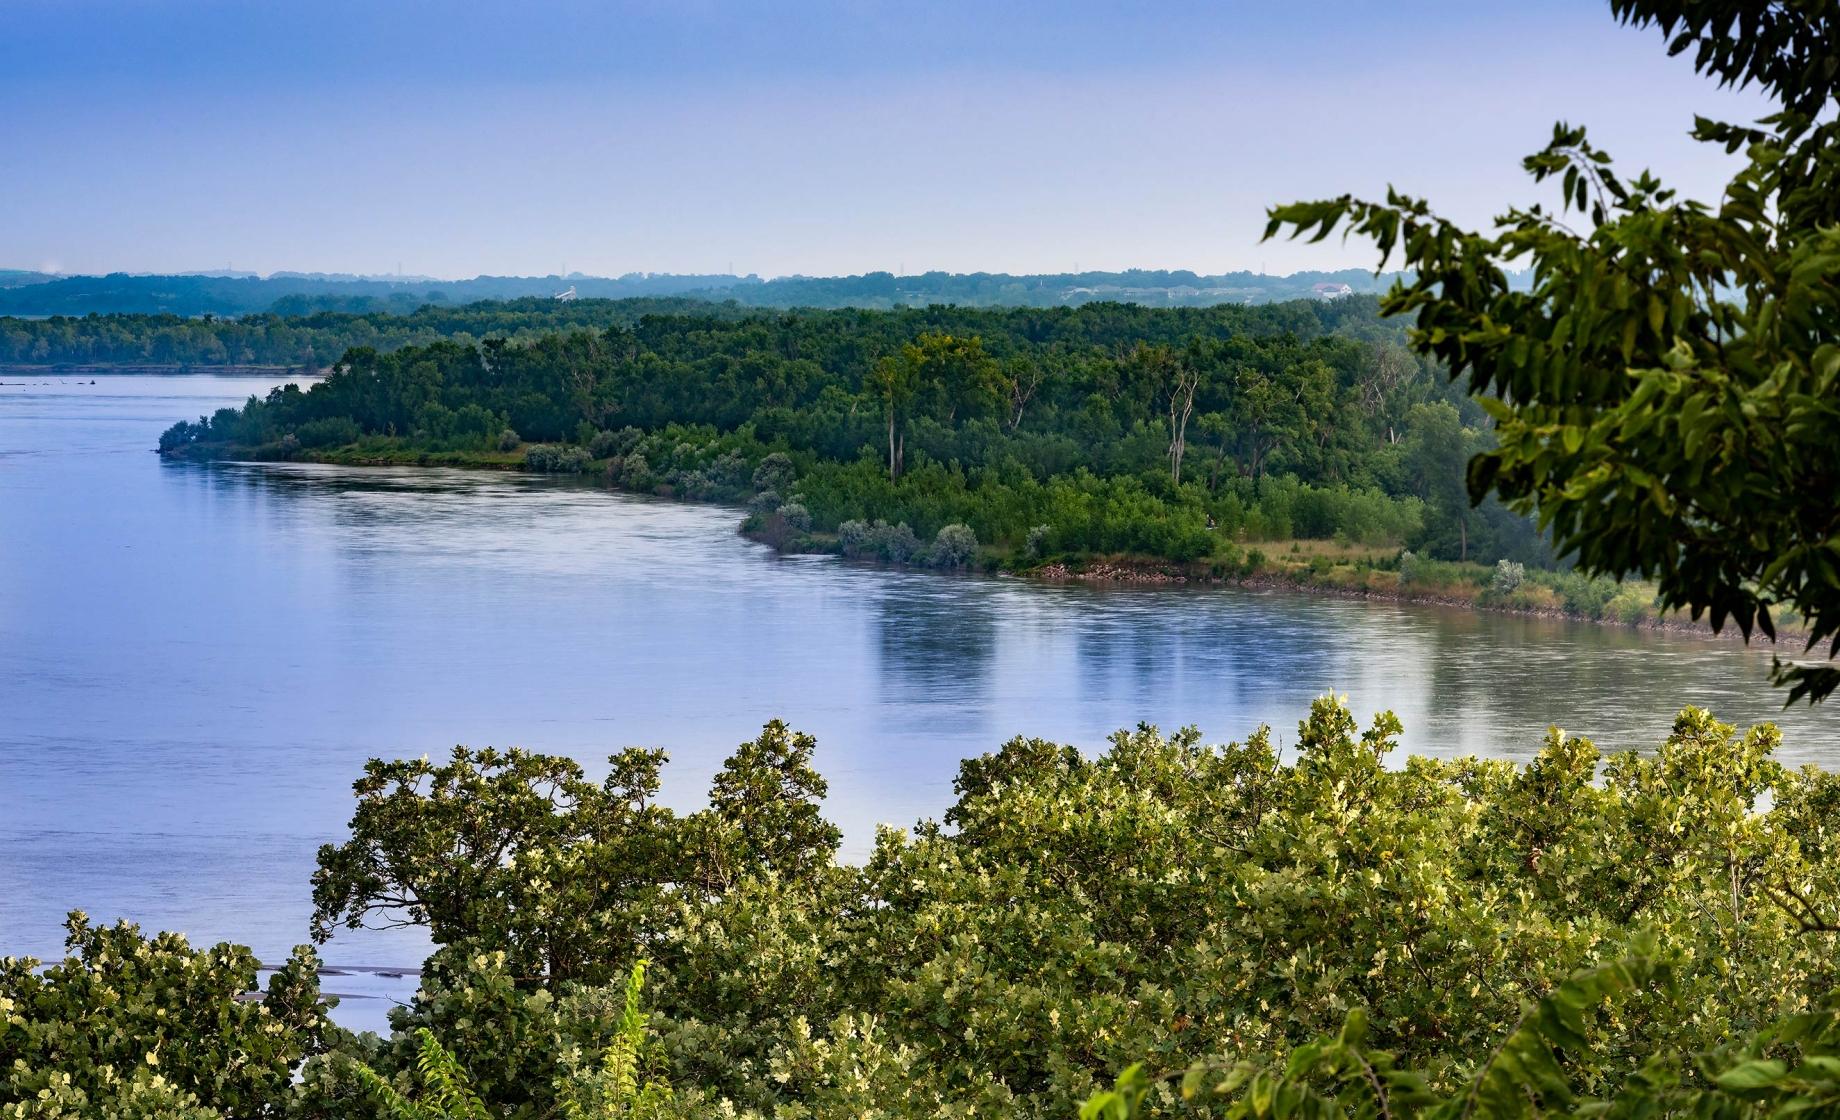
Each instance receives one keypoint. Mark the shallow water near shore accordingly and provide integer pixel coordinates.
(195, 661)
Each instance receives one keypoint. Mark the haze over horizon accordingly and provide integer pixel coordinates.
(816, 139)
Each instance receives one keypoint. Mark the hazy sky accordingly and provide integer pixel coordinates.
(692, 135)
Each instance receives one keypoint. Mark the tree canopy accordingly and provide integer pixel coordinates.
(1169, 434)
(1274, 915)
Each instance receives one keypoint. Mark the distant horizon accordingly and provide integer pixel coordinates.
(576, 274)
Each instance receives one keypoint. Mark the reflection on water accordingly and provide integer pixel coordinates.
(935, 655)
(195, 662)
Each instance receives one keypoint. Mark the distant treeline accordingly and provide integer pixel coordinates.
(38, 295)
(1105, 429)
(307, 341)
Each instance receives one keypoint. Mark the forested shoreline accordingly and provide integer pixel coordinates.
(1108, 430)
(307, 340)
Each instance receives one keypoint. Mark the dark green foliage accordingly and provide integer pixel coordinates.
(1791, 1068)
(775, 472)
(335, 431)
(890, 544)
(606, 445)
(1320, 931)
(430, 845)
(1124, 430)
(1665, 394)
(558, 874)
(1164, 902)
(152, 1029)
(294, 336)
(444, 1093)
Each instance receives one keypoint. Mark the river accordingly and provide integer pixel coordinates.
(196, 661)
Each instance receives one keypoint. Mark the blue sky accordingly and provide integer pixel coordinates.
(820, 138)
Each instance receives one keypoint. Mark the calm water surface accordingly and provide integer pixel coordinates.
(196, 661)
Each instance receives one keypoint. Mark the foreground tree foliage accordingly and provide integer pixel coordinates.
(152, 1028)
(1284, 918)
(1667, 394)
(557, 874)
(1171, 902)
(1527, 1075)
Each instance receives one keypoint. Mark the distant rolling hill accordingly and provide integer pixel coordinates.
(37, 294)
(19, 278)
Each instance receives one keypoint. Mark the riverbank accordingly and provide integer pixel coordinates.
(1309, 567)
(1334, 570)
(1382, 583)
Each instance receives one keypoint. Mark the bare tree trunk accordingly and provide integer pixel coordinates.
(1181, 406)
(1020, 393)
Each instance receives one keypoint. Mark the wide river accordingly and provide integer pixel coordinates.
(196, 661)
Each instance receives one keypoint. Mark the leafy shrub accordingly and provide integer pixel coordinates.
(775, 472)
(508, 440)
(693, 486)
(1584, 596)
(895, 543)
(953, 547)
(878, 540)
(585, 1054)
(634, 472)
(180, 435)
(1421, 571)
(727, 472)
(796, 517)
(550, 458)
(1632, 605)
(1360, 516)
(1064, 920)
(1508, 575)
(608, 444)
(150, 1027)
(1035, 546)
(855, 538)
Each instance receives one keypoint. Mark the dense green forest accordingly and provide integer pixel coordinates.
(295, 293)
(1108, 429)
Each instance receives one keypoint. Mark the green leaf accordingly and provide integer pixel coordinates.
(1753, 1075)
